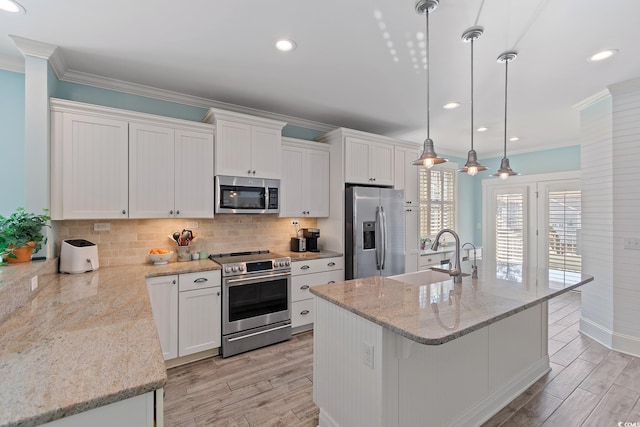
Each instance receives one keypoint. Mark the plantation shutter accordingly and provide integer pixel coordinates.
(564, 221)
(510, 228)
(437, 200)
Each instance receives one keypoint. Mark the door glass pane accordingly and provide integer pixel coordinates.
(564, 223)
(509, 235)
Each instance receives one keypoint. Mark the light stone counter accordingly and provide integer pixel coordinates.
(83, 341)
(440, 312)
(306, 256)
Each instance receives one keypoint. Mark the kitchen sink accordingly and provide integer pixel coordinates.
(423, 277)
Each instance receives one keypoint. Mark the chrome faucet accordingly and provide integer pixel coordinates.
(474, 267)
(455, 271)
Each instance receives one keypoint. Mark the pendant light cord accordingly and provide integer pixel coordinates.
(506, 75)
(428, 69)
(472, 94)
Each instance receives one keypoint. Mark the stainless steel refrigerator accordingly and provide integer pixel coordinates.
(374, 232)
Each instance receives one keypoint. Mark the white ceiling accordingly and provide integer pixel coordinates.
(342, 72)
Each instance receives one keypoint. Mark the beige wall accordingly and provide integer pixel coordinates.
(129, 240)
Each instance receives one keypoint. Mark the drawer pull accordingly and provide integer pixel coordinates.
(201, 280)
(304, 287)
(304, 312)
(331, 281)
(304, 267)
(331, 264)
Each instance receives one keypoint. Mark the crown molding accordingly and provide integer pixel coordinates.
(42, 50)
(624, 87)
(592, 100)
(78, 77)
(12, 64)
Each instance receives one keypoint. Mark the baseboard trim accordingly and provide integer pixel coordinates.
(501, 398)
(324, 420)
(626, 344)
(596, 332)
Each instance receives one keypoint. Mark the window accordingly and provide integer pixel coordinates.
(564, 222)
(437, 200)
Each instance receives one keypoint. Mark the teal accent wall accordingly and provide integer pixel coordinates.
(12, 125)
(291, 131)
(125, 101)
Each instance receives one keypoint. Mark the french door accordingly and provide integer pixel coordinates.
(533, 221)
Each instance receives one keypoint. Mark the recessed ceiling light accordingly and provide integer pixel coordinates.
(11, 6)
(285, 45)
(482, 129)
(514, 138)
(602, 55)
(451, 105)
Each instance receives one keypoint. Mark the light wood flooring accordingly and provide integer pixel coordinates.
(589, 385)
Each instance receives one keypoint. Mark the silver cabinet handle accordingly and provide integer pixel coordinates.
(171, 212)
(123, 212)
(304, 312)
(173, 282)
(201, 280)
(331, 281)
(304, 267)
(249, 171)
(178, 212)
(331, 264)
(304, 287)
(218, 293)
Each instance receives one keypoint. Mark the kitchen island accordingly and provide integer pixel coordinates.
(419, 350)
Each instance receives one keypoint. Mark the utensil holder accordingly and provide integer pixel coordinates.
(184, 253)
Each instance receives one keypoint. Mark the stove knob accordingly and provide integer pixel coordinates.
(287, 263)
(241, 267)
(235, 268)
(276, 264)
(227, 269)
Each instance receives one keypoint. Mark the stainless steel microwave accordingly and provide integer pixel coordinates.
(234, 194)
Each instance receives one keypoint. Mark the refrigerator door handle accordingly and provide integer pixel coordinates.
(384, 238)
(378, 237)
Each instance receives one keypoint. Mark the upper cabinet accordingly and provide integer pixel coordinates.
(110, 163)
(368, 162)
(406, 174)
(304, 187)
(246, 145)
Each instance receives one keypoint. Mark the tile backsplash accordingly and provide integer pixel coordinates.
(129, 240)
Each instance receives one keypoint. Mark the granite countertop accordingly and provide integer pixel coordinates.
(83, 341)
(439, 312)
(306, 256)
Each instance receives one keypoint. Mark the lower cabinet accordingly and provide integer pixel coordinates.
(306, 274)
(187, 312)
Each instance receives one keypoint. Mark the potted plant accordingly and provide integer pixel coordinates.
(21, 234)
(423, 242)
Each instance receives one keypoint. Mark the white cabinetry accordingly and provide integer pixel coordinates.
(163, 292)
(111, 163)
(306, 274)
(170, 172)
(89, 166)
(406, 178)
(368, 162)
(246, 145)
(304, 187)
(199, 326)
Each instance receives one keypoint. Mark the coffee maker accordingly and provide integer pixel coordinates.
(311, 235)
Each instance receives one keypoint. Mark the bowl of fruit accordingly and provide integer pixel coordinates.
(160, 256)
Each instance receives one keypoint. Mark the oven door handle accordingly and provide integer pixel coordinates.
(250, 279)
(288, 325)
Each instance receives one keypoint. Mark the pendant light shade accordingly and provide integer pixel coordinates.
(505, 170)
(472, 166)
(428, 157)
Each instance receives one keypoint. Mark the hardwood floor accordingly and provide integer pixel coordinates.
(589, 385)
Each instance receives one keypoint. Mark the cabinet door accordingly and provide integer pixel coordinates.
(411, 238)
(292, 183)
(406, 175)
(381, 163)
(233, 148)
(200, 320)
(266, 146)
(94, 167)
(357, 153)
(317, 192)
(151, 171)
(163, 293)
(194, 174)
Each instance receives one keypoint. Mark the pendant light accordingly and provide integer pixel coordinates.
(428, 157)
(505, 170)
(472, 166)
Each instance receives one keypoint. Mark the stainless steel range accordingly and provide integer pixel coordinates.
(256, 300)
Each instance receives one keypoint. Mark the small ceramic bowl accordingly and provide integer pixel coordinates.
(160, 259)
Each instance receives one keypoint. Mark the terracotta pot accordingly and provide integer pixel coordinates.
(23, 254)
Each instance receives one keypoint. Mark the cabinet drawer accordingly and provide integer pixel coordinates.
(201, 280)
(302, 312)
(300, 284)
(317, 265)
(429, 260)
